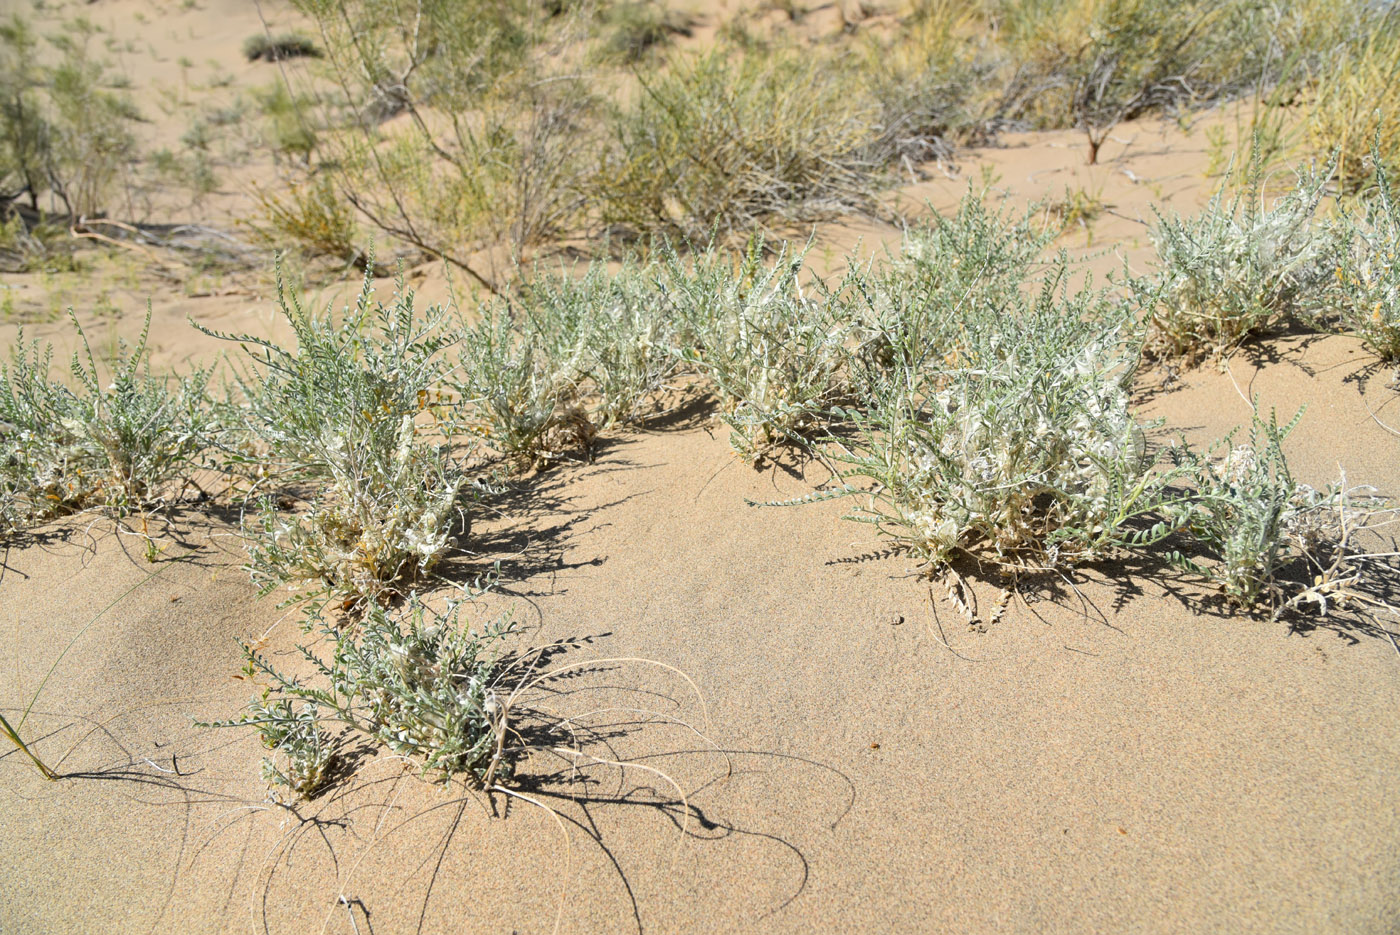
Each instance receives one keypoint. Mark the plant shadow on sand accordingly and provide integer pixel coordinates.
(1101, 591)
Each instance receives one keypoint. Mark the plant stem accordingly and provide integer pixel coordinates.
(9, 732)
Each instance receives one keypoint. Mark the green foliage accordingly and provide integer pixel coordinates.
(121, 446)
(1366, 294)
(354, 411)
(65, 130)
(1012, 437)
(723, 143)
(289, 127)
(775, 352)
(435, 53)
(419, 683)
(637, 28)
(312, 217)
(1355, 107)
(526, 401)
(1238, 268)
(1271, 539)
(616, 333)
(1091, 64)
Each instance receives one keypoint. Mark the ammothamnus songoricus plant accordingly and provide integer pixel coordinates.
(1365, 298)
(909, 310)
(1237, 268)
(776, 353)
(123, 446)
(616, 332)
(1015, 440)
(416, 681)
(355, 410)
(522, 393)
(1268, 538)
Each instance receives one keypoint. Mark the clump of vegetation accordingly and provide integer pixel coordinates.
(416, 681)
(1238, 268)
(65, 128)
(1013, 439)
(722, 144)
(525, 400)
(353, 411)
(1258, 523)
(313, 217)
(268, 48)
(1092, 65)
(288, 116)
(1366, 293)
(974, 262)
(122, 446)
(776, 354)
(1355, 105)
(617, 333)
(637, 28)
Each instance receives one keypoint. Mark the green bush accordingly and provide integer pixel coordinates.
(1365, 297)
(122, 446)
(415, 681)
(720, 144)
(352, 410)
(264, 47)
(1238, 268)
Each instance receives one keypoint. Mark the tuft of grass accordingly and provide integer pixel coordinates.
(288, 45)
(312, 217)
(1356, 99)
(354, 411)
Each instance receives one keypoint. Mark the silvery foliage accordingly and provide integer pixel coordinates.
(1237, 268)
(72, 446)
(415, 680)
(353, 412)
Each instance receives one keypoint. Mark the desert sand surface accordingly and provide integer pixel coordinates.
(782, 726)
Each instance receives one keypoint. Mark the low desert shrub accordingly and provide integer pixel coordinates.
(312, 217)
(122, 447)
(909, 309)
(522, 394)
(65, 124)
(635, 29)
(720, 143)
(774, 350)
(615, 332)
(1365, 298)
(1267, 537)
(1238, 268)
(353, 411)
(1014, 440)
(1355, 101)
(415, 681)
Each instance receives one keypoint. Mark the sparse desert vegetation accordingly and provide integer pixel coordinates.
(482, 385)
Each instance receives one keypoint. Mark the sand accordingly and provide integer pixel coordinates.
(1116, 754)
